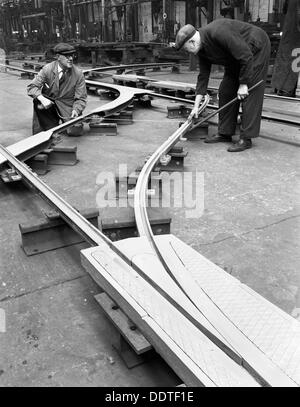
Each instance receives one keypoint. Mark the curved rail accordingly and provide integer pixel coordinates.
(140, 195)
(126, 95)
(94, 237)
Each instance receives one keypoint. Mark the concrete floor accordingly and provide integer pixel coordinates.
(56, 334)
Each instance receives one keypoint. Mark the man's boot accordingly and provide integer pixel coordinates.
(241, 145)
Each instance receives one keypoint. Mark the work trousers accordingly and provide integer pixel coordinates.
(252, 105)
(44, 119)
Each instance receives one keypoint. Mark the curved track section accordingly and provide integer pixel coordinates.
(186, 300)
(140, 210)
(140, 196)
(26, 148)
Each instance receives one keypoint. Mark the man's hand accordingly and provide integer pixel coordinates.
(74, 114)
(46, 103)
(242, 92)
(194, 112)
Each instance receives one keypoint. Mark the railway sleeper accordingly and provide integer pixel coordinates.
(178, 111)
(27, 75)
(118, 223)
(127, 183)
(52, 232)
(122, 117)
(197, 132)
(172, 161)
(131, 345)
(39, 164)
(62, 155)
(103, 129)
(143, 101)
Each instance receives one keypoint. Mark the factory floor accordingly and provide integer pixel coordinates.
(56, 333)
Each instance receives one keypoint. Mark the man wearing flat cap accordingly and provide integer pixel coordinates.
(244, 50)
(58, 91)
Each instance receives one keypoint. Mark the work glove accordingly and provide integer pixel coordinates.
(195, 110)
(74, 114)
(44, 102)
(242, 92)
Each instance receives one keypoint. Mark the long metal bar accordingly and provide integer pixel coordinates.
(27, 148)
(149, 65)
(140, 197)
(16, 68)
(265, 115)
(95, 237)
(101, 68)
(130, 66)
(143, 224)
(81, 225)
(268, 95)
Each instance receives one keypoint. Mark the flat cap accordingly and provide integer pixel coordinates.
(183, 35)
(64, 49)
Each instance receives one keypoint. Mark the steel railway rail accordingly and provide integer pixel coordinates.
(130, 66)
(146, 66)
(267, 95)
(102, 68)
(266, 115)
(31, 146)
(140, 196)
(96, 238)
(25, 149)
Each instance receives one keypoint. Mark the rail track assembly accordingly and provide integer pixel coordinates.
(290, 117)
(270, 113)
(114, 261)
(30, 146)
(99, 70)
(211, 329)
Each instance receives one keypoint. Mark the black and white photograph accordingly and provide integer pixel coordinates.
(149, 197)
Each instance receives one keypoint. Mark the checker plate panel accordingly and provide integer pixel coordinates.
(274, 332)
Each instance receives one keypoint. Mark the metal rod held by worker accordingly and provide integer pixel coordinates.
(231, 102)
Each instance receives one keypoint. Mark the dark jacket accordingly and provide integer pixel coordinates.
(230, 43)
(71, 94)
